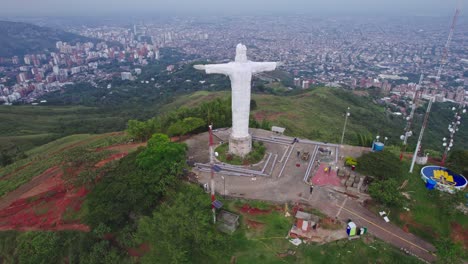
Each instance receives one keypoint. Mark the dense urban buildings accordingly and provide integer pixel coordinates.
(350, 52)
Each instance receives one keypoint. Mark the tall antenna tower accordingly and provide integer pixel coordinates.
(439, 72)
(409, 120)
(453, 126)
(444, 57)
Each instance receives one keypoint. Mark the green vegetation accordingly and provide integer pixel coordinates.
(141, 202)
(23, 38)
(430, 214)
(458, 161)
(181, 230)
(255, 156)
(55, 154)
(350, 161)
(319, 114)
(316, 114)
(126, 189)
(386, 192)
(382, 165)
(25, 127)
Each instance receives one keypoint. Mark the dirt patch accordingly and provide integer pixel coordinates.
(139, 251)
(123, 147)
(330, 224)
(254, 224)
(111, 158)
(47, 202)
(410, 223)
(459, 234)
(76, 144)
(253, 211)
(36, 181)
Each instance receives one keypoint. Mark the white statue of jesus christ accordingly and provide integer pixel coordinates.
(240, 72)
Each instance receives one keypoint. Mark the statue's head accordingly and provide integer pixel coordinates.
(241, 53)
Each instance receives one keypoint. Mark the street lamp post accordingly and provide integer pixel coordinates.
(453, 129)
(344, 127)
(224, 182)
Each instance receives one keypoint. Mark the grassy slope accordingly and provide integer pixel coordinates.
(318, 114)
(29, 126)
(42, 158)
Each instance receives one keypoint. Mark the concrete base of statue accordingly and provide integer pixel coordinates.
(240, 146)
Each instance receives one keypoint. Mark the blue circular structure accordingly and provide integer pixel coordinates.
(443, 179)
(378, 146)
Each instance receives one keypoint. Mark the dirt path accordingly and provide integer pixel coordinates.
(42, 157)
(12, 196)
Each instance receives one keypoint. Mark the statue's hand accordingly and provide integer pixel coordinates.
(199, 67)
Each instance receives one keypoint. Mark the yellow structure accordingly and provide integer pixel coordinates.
(443, 175)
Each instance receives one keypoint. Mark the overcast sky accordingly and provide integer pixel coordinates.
(134, 7)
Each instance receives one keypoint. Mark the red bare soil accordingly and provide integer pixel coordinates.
(111, 158)
(140, 251)
(253, 211)
(47, 202)
(123, 147)
(410, 223)
(79, 143)
(254, 224)
(459, 234)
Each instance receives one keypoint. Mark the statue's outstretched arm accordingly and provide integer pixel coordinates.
(225, 68)
(263, 66)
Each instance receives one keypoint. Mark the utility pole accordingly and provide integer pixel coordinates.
(344, 127)
(212, 183)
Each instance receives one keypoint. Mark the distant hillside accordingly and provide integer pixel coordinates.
(316, 114)
(19, 38)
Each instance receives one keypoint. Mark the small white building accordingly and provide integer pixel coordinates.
(278, 130)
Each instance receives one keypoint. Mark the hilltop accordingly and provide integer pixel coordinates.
(318, 114)
(20, 38)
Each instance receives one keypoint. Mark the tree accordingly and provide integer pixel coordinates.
(39, 247)
(382, 165)
(386, 192)
(137, 184)
(142, 130)
(163, 157)
(448, 251)
(181, 230)
(193, 123)
(458, 161)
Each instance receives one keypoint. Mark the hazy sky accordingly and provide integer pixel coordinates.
(133, 7)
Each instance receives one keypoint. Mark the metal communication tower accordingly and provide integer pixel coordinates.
(409, 120)
(439, 72)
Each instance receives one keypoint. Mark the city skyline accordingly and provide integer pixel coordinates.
(107, 7)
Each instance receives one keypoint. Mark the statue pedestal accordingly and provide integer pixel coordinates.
(240, 146)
